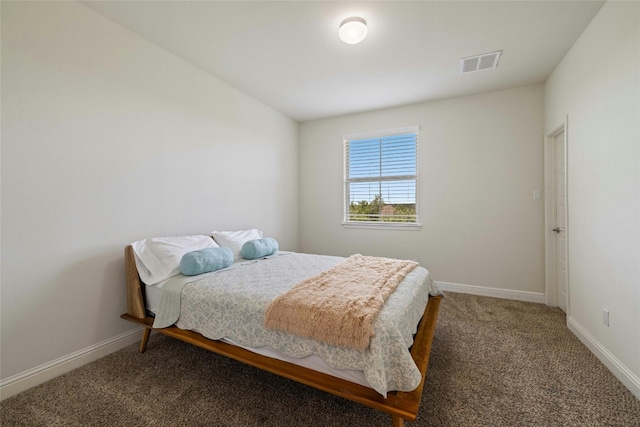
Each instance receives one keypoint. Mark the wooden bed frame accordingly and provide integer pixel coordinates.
(400, 405)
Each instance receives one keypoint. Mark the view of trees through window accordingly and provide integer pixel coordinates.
(378, 210)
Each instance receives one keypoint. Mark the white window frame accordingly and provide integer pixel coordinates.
(346, 139)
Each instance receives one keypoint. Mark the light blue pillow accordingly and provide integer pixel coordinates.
(259, 248)
(205, 260)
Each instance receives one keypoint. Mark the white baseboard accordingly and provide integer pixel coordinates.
(492, 292)
(31, 378)
(619, 369)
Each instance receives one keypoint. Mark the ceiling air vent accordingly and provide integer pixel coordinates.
(485, 61)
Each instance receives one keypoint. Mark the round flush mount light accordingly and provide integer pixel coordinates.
(353, 30)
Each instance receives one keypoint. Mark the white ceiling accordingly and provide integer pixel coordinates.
(287, 54)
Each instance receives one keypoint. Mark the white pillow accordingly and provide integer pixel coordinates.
(235, 239)
(158, 258)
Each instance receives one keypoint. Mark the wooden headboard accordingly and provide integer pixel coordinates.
(135, 291)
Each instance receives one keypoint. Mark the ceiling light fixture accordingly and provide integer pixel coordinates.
(353, 30)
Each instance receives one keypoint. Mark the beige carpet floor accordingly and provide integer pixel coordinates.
(494, 363)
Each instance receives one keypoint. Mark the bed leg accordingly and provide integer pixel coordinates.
(397, 421)
(145, 339)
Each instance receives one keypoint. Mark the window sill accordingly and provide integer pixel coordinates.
(411, 226)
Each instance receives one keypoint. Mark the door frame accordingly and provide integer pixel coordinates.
(551, 284)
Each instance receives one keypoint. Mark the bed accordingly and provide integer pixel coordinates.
(352, 384)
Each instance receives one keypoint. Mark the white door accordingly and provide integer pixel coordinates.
(561, 219)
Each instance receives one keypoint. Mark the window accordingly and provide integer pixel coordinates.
(380, 176)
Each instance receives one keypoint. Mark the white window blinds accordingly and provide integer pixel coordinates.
(380, 170)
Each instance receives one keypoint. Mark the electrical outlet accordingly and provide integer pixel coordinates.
(605, 316)
(537, 195)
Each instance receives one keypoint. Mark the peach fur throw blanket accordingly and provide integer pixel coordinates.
(339, 306)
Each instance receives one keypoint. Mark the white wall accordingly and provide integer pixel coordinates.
(480, 159)
(107, 139)
(597, 86)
